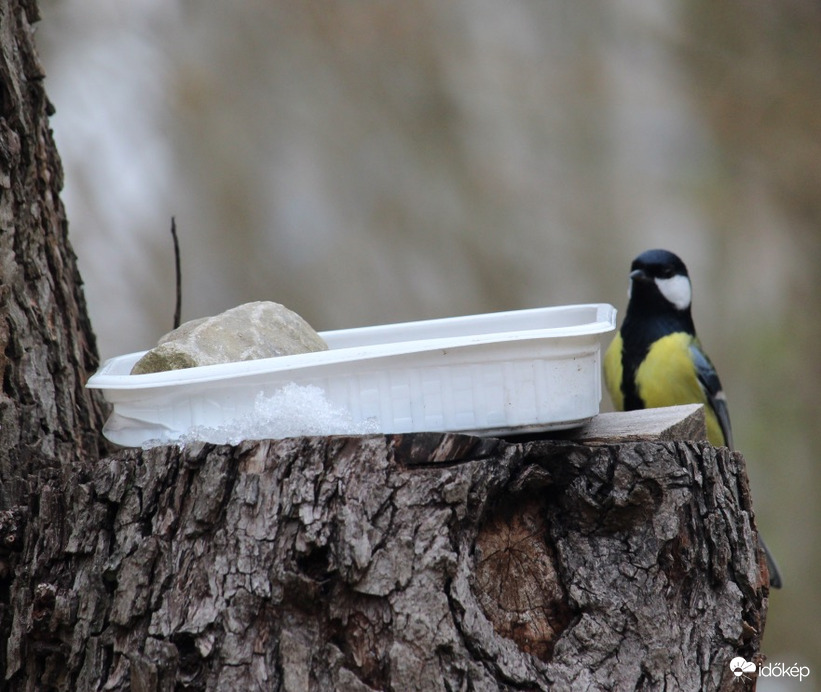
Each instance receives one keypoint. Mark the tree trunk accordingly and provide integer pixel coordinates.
(429, 562)
(48, 348)
(48, 422)
(418, 562)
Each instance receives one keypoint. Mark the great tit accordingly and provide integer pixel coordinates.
(656, 358)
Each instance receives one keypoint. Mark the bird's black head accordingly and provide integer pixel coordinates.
(659, 282)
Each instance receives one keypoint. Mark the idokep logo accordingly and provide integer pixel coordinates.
(743, 668)
(739, 665)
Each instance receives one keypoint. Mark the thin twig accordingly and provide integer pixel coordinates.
(178, 307)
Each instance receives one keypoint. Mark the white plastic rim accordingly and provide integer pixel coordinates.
(490, 374)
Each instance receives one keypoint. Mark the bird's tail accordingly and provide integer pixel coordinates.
(772, 567)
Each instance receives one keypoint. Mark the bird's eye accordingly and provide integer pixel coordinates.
(666, 272)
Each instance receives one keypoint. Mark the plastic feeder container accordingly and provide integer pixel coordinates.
(492, 374)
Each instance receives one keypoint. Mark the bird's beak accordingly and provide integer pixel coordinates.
(639, 275)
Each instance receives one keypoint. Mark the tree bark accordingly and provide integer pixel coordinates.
(48, 347)
(48, 422)
(418, 562)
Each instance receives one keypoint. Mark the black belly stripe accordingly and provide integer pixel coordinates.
(637, 338)
(629, 390)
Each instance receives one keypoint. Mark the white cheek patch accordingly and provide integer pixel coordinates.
(677, 290)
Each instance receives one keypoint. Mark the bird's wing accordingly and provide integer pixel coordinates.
(708, 379)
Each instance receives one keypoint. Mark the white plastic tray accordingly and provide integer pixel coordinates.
(492, 374)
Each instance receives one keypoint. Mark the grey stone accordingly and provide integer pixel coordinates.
(247, 332)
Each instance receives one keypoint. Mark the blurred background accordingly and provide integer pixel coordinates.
(369, 162)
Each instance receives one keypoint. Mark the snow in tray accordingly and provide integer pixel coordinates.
(291, 412)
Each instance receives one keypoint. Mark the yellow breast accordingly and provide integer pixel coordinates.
(666, 377)
(613, 372)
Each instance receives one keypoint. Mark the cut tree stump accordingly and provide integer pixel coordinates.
(403, 562)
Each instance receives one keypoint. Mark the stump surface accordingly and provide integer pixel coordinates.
(415, 562)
